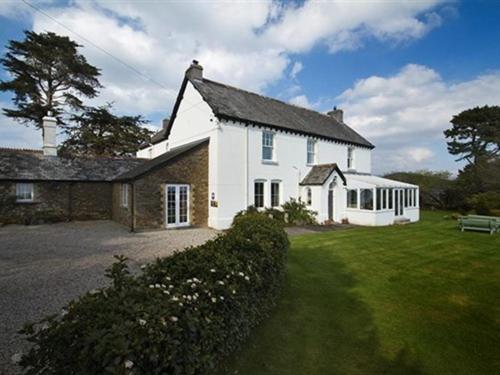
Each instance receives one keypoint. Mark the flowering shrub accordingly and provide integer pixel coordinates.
(181, 315)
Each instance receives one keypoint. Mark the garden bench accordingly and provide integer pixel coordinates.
(480, 223)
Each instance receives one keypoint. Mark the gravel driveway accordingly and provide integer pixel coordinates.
(43, 267)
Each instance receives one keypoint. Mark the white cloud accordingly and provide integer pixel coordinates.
(412, 107)
(301, 101)
(296, 69)
(247, 44)
(16, 135)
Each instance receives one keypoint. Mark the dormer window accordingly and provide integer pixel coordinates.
(311, 151)
(267, 146)
(350, 158)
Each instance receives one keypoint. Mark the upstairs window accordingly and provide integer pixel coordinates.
(311, 151)
(258, 194)
(275, 194)
(352, 198)
(24, 192)
(124, 195)
(350, 158)
(267, 146)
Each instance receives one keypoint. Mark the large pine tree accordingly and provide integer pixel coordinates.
(48, 75)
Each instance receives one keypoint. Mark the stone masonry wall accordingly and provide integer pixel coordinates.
(56, 201)
(149, 191)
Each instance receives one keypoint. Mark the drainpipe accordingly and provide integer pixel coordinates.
(246, 168)
(132, 208)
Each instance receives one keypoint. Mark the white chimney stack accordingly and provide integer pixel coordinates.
(49, 135)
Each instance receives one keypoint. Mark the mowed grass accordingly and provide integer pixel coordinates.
(415, 299)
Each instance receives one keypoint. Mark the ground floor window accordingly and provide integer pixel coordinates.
(275, 194)
(24, 192)
(259, 194)
(124, 195)
(366, 201)
(384, 199)
(379, 199)
(352, 198)
(390, 199)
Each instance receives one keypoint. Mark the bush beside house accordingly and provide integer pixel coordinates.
(180, 316)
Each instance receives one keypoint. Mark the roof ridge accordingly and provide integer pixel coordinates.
(273, 99)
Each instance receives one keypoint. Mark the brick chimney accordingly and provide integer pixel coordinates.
(195, 71)
(337, 114)
(49, 135)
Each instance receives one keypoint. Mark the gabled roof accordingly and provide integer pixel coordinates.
(159, 160)
(232, 103)
(32, 165)
(319, 174)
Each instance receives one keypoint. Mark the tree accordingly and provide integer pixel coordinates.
(98, 132)
(475, 134)
(48, 75)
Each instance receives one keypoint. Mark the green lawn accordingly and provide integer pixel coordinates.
(416, 299)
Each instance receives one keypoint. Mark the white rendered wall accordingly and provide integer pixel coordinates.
(240, 165)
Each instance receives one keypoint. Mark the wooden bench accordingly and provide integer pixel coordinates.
(480, 223)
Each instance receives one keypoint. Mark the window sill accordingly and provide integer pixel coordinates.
(26, 202)
(269, 162)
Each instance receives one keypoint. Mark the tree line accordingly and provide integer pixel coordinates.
(474, 136)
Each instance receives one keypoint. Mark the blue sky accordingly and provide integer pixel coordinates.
(399, 70)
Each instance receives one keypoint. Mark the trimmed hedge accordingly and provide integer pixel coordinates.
(182, 315)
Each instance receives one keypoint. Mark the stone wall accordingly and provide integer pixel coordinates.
(56, 201)
(149, 191)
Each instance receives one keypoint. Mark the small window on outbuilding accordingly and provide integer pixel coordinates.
(124, 195)
(24, 192)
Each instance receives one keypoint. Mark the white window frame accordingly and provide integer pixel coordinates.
(351, 159)
(268, 143)
(311, 151)
(277, 182)
(177, 214)
(348, 201)
(24, 192)
(263, 182)
(124, 195)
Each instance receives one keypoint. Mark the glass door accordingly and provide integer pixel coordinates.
(177, 205)
(398, 202)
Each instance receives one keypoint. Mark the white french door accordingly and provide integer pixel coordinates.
(398, 202)
(177, 205)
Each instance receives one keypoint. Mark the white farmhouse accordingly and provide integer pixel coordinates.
(263, 152)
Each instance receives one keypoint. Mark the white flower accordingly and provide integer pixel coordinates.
(93, 291)
(64, 312)
(189, 298)
(129, 364)
(220, 282)
(241, 274)
(142, 322)
(157, 286)
(193, 285)
(247, 278)
(214, 299)
(234, 291)
(195, 298)
(196, 280)
(213, 270)
(16, 358)
(227, 276)
(143, 266)
(170, 287)
(163, 286)
(221, 298)
(189, 281)
(175, 299)
(181, 304)
(167, 278)
(151, 286)
(166, 292)
(174, 319)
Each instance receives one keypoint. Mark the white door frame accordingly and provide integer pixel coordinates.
(399, 202)
(177, 223)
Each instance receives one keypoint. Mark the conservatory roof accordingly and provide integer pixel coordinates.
(376, 181)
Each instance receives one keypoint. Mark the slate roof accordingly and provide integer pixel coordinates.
(233, 103)
(19, 164)
(320, 173)
(159, 160)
